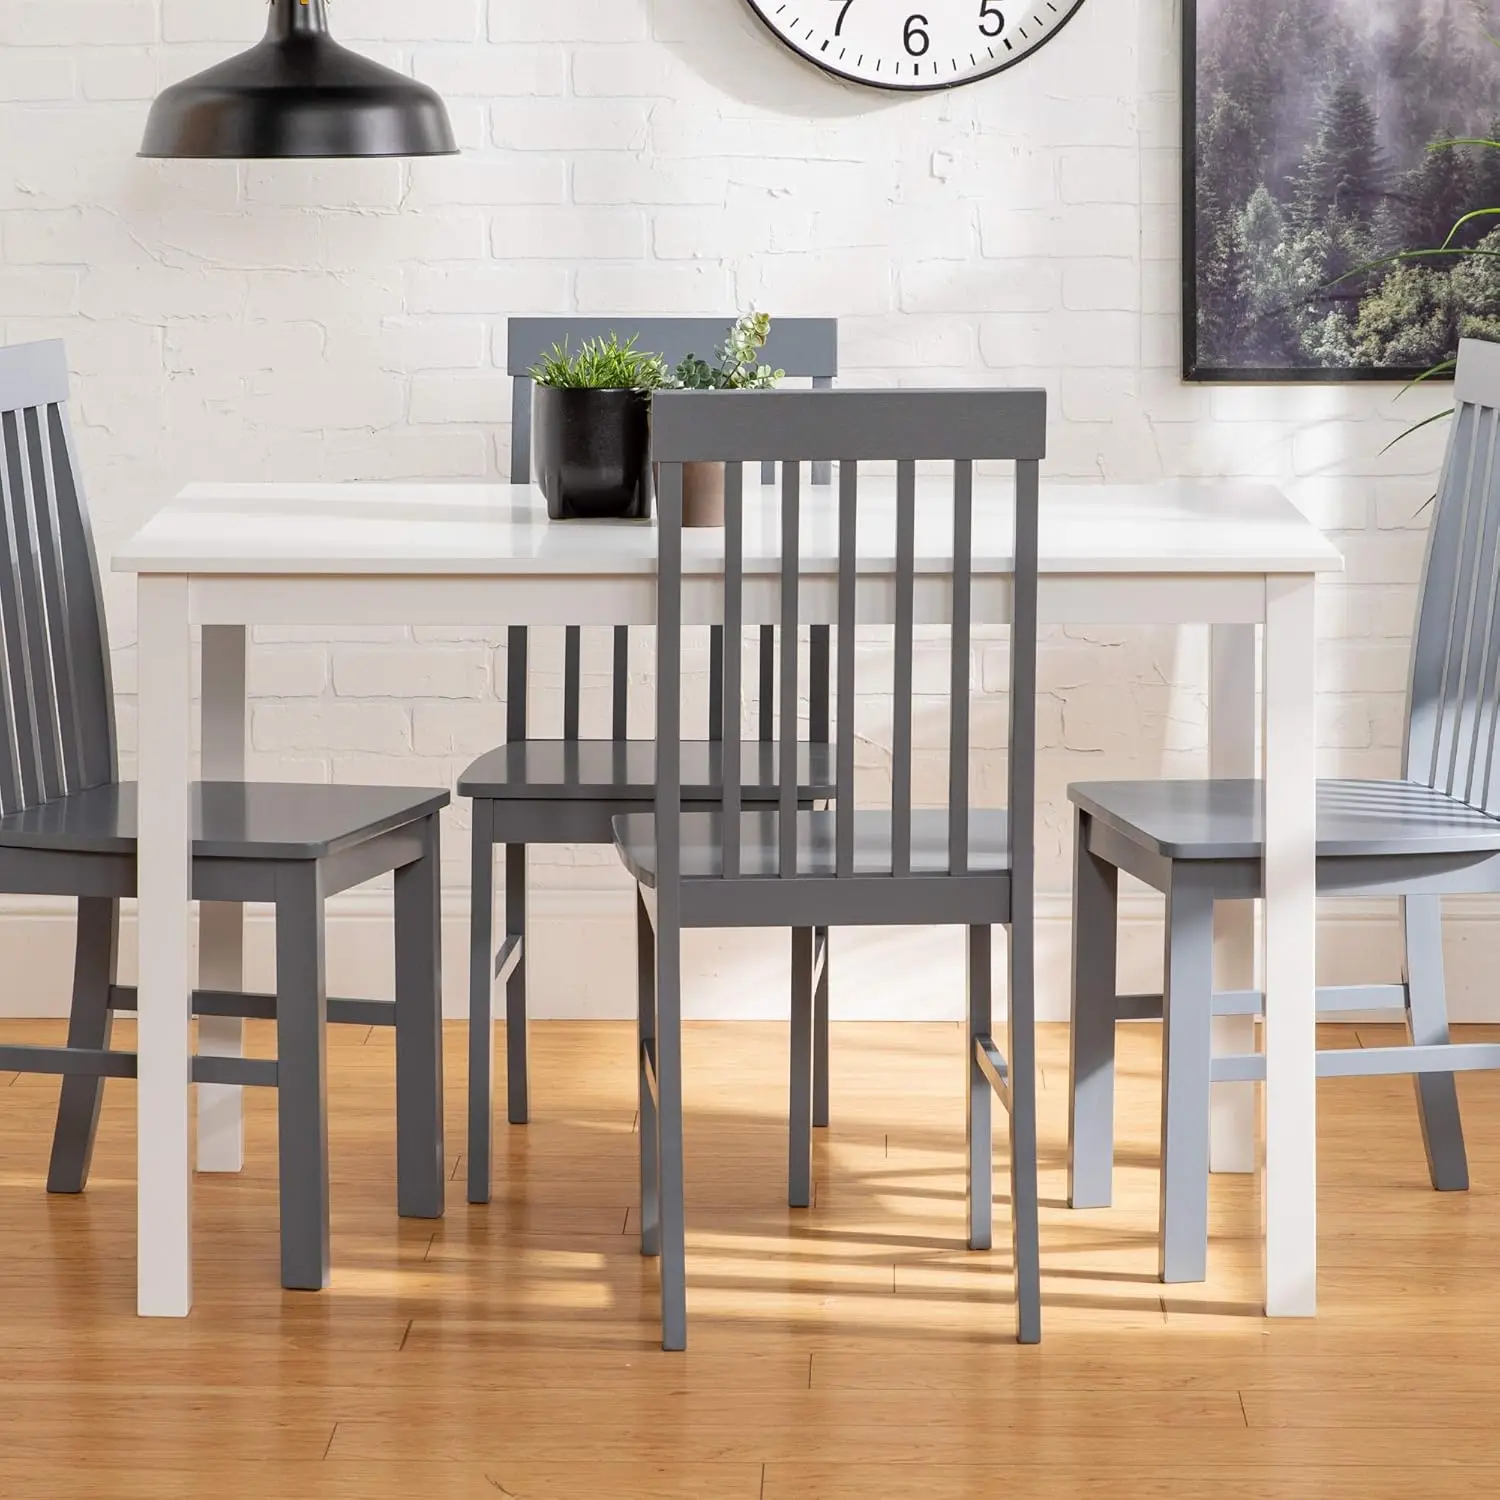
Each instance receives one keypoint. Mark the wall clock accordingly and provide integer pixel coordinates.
(915, 44)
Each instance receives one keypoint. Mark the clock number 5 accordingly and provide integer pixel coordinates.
(843, 5)
(915, 36)
(991, 22)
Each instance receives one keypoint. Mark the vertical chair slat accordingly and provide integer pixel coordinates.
(668, 680)
(1435, 602)
(1471, 610)
(822, 468)
(520, 429)
(17, 641)
(819, 647)
(733, 634)
(88, 652)
(791, 577)
(1487, 726)
(906, 545)
(1021, 801)
(767, 683)
(958, 721)
(41, 675)
(847, 616)
(572, 680)
(1457, 563)
(1479, 631)
(517, 643)
(13, 795)
(55, 601)
(716, 682)
(621, 683)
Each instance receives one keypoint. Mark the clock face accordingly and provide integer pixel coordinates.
(914, 44)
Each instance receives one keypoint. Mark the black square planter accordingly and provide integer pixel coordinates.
(592, 452)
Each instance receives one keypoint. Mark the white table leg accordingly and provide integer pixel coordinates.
(1291, 1164)
(1231, 752)
(164, 1267)
(221, 928)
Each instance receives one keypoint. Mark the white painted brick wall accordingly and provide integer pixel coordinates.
(346, 320)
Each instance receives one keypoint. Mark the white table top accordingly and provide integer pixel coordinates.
(1214, 526)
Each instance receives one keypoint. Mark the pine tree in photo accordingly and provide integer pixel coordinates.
(1343, 171)
(1435, 195)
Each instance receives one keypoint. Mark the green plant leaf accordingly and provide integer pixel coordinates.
(1478, 213)
(601, 364)
(1416, 427)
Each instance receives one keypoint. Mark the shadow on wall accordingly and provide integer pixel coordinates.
(728, 47)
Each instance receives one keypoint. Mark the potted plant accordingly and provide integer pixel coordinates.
(591, 429)
(737, 367)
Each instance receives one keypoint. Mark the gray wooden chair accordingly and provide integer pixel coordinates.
(737, 865)
(1435, 832)
(567, 790)
(68, 828)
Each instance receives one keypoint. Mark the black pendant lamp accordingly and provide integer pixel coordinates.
(298, 93)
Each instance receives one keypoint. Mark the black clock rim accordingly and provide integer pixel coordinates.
(910, 88)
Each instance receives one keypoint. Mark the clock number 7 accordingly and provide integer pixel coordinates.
(991, 21)
(843, 5)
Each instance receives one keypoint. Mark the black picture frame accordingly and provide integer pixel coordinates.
(1194, 370)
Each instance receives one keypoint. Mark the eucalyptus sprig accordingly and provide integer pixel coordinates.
(737, 366)
(601, 365)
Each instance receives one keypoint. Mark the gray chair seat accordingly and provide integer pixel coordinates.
(703, 852)
(625, 771)
(1223, 819)
(231, 819)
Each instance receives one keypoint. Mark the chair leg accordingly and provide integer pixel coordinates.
(1427, 1021)
(669, 1132)
(799, 1131)
(1020, 1053)
(1091, 1036)
(420, 1175)
(645, 998)
(89, 1024)
(302, 1077)
(820, 1032)
(980, 1187)
(482, 1003)
(1187, 1067)
(517, 1063)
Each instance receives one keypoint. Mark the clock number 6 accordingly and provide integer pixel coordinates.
(991, 21)
(843, 5)
(915, 36)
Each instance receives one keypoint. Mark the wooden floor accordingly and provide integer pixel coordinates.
(854, 1352)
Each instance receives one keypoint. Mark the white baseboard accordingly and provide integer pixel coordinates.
(582, 959)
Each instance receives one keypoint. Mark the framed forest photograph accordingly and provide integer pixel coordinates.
(1341, 186)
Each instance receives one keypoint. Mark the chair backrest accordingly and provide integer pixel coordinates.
(803, 347)
(959, 426)
(57, 732)
(1453, 708)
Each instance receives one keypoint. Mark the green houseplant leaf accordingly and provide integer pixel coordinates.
(601, 365)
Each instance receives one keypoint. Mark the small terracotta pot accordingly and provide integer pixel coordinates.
(703, 494)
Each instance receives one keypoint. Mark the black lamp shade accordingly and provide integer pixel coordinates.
(298, 93)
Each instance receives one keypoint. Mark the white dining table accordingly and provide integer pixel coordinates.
(225, 558)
